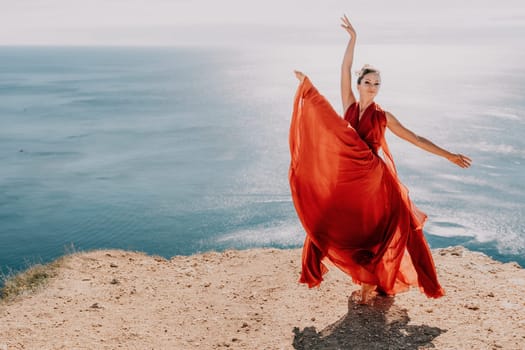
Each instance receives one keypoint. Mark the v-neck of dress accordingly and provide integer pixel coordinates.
(361, 116)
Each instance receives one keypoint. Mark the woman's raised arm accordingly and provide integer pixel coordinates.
(347, 95)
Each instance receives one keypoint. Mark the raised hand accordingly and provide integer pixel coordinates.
(348, 26)
(299, 75)
(460, 160)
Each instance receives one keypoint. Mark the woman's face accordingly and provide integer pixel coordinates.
(369, 86)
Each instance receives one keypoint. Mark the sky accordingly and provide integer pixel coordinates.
(246, 22)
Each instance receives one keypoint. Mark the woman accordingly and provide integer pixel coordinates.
(355, 211)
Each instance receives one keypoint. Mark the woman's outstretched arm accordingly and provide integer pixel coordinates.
(347, 95)
(398, 129)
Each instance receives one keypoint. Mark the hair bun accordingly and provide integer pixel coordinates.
(367, 68)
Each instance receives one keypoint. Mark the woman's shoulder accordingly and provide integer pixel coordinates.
(350, 109)
(381, 114)
(378, 108)
(353, 105)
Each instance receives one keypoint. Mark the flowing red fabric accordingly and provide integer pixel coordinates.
(355, 211)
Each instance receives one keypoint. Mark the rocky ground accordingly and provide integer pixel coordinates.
(251, 300)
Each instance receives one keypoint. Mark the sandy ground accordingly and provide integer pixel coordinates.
(251, 300)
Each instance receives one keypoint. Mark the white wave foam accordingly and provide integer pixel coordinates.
(502, 227)
(505, 115)
(500, 148)
(285, 234)
(467, 180)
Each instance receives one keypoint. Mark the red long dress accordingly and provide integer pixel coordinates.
(355, 211)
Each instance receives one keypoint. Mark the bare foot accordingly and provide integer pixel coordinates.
(365, 295)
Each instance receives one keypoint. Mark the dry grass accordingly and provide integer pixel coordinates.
(28, 280)
(34, 277)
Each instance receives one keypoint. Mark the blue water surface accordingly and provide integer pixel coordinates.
(183, 150)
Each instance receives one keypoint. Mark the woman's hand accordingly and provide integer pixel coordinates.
(348, 26)
(299, 75)
(460, 160)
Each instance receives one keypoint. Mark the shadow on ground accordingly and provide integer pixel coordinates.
(381, 325)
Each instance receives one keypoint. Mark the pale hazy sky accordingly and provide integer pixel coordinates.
(245, 22)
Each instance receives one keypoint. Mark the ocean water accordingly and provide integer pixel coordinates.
(183, 150)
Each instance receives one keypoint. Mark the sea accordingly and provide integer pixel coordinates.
(182, 150)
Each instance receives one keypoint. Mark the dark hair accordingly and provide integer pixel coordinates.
(364, 71)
